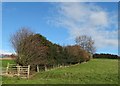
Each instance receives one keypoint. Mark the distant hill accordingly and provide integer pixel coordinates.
(8, 56)
(4, 55)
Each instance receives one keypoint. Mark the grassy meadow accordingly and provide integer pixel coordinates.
(5, 62)
(95, 71)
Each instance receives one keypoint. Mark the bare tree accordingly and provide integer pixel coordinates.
(86, 43)
(18, 41)
(17, 38)
(31, 48)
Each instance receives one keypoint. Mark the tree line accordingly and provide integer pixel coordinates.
(108, 56)
(34, 49)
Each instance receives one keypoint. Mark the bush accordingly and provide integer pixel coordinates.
(77, 54)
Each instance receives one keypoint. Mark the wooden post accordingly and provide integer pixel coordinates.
(7, 68)
(45, 68)
(37, 68)
(58, 65)
(28, 71)
(18, 70)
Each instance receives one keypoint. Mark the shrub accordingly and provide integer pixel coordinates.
(77, 54)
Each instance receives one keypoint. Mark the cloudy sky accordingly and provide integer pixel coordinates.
(62, 22)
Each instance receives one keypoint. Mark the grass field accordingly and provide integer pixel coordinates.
(96, 71)
(5, 62)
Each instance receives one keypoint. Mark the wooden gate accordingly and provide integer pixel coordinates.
(17, 70)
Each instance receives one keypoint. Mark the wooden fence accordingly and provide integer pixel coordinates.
(17, 70)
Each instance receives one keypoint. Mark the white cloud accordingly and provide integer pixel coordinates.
(5, 52)
(89, 19)
(99, 18)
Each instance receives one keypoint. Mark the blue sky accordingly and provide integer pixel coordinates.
(62, 22)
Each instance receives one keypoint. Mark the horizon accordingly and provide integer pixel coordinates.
(60, 24)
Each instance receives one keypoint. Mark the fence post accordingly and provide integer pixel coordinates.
(18, 70)
(45, 68)
(7, 68)
(28, 71)
(37, 68)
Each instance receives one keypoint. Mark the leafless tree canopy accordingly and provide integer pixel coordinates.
(18, 37)
(86, 43)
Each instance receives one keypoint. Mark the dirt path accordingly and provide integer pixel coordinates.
(7, 58)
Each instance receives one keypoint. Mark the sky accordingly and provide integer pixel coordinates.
(62, 22)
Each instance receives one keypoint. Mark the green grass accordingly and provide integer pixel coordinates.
(96, 71)
(5, 62)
